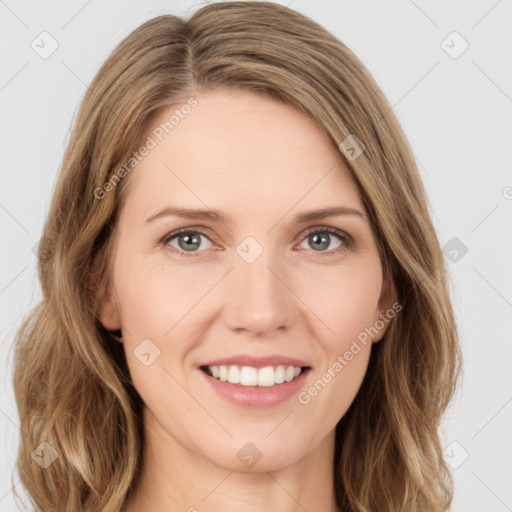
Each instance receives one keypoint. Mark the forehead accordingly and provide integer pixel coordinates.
(240, 151)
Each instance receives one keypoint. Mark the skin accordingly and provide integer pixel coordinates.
(261, 163)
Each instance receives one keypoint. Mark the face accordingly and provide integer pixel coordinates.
(253, 290)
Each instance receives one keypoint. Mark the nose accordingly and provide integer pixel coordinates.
(258, 298)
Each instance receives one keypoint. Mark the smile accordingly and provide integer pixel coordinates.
(254, 387)
(249, 376)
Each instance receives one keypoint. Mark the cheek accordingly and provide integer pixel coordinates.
(154, 296)
(345, 299)
(348, 306)
(336, 388)
(158, 304)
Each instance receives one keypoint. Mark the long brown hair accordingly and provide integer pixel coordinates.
(72, 385)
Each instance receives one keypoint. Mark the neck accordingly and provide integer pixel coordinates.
(175, 478)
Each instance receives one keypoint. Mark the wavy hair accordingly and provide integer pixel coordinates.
(72, 385)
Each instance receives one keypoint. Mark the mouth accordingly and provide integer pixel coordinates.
(250, 380)
(249, 386)
(250, 376)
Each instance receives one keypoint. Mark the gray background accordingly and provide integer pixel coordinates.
(455, 109)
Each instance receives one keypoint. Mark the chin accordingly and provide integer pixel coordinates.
(257, 456)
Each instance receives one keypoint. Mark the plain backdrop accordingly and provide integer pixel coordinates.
(446, 69)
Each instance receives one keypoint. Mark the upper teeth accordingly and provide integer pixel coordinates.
(249, 376)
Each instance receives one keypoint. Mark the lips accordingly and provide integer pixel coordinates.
(255, 381)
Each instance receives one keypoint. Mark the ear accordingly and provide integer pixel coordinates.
(108, 311)
(107, 307)
(386, 301)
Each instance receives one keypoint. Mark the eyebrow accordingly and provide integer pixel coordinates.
(216, 216)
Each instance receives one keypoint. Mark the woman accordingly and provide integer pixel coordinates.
(245, 304)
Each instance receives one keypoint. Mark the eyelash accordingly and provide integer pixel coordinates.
(344, 237)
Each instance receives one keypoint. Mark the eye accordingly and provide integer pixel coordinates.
(321, 238)
(189, 241)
